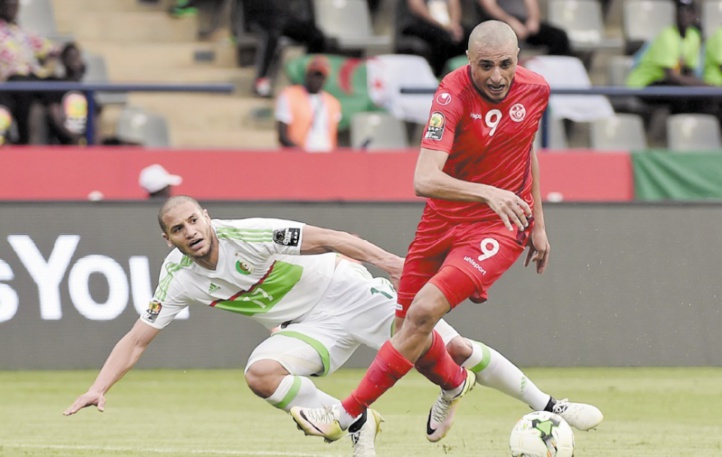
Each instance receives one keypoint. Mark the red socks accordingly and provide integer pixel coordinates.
(388, 367)
(438, 366)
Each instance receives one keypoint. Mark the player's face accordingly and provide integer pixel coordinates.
(189, 229)
(492, 69)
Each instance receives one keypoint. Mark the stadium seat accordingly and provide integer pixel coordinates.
(642, 20)
(96, 71)
(711, 16)
(39, 16)
(583, 21)
(349, 21)
(621, 132)
(140, 127)
(693, 132)
(388, 74)
(569, 73)
(557, 134)
(618, 70)
(377, 130)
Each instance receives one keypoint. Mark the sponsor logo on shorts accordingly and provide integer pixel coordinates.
(153, 310)
(443, 98)
(517, 112)
(435, 128)
(474, 264)
(287, 236)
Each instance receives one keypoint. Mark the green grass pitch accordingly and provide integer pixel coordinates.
(196, 413)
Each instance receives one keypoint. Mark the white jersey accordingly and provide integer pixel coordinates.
(260, 274)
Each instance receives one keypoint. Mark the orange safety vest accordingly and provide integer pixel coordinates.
(302, 114)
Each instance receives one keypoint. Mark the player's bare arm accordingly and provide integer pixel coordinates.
(431, 181)
(122, 358)
(539, 247)
(317, 240)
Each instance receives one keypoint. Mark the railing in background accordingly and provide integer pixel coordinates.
(90, 89)
(612, 91)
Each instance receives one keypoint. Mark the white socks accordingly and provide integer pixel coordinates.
(496, 371)
(299, 391)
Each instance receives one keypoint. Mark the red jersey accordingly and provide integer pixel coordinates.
(487, 142)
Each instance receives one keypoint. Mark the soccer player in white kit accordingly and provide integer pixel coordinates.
(319, 308)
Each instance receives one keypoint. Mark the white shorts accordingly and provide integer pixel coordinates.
(356, 309)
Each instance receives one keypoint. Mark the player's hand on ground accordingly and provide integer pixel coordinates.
(512, 210)
(539, 249)
(87, 399)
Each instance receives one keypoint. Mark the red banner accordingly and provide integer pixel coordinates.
(68, 173)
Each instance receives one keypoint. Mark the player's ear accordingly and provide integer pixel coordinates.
(167, 240)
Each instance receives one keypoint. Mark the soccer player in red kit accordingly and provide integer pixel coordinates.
(480, 173)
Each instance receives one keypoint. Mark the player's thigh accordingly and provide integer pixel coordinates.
(424, 259)
(361, 304)
(485, 253)
(293, 353)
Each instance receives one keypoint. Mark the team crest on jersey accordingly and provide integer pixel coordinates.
(517, 112)
(244, 267)
(153, 310)
(443, 98)
(435, 128)
(287, 236)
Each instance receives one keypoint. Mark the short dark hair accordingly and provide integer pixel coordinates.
(67, 48)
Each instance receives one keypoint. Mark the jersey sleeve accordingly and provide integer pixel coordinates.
(265, 236)
(169, 297)
(445, 114)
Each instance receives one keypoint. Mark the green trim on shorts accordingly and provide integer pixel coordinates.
(292, 392)
(317, 345)
(485, 357)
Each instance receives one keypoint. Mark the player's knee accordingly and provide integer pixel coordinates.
(426, 310)
(421, 318)
(459, 348)
(264, 376)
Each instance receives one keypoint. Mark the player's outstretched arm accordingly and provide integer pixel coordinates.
(317, 240)
(431, 181)
(122, 358)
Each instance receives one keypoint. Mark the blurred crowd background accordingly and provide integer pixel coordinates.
(318, 75)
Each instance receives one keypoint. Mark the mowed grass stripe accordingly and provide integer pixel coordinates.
(648, 412)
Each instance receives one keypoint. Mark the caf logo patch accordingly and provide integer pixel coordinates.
(153, 310)
(287, 236)
(435, 128)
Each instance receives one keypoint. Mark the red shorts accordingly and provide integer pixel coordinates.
(479, 251)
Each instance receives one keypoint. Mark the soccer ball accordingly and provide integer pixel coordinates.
(541, 434)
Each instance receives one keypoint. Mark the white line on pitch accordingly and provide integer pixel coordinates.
(166, 450)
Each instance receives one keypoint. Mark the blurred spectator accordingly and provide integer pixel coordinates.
(23, 56)
(273, 19)
(157, 182)
(308, 116)
(184, 8)
(437, 23)
(524, 17)
(672, 59)
(67, 111)
(713, 59)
